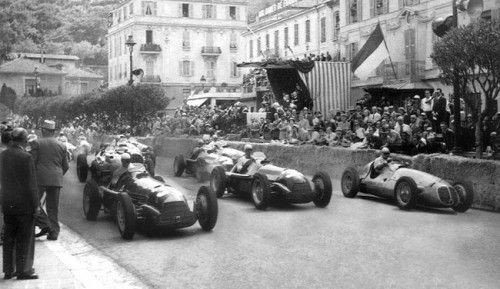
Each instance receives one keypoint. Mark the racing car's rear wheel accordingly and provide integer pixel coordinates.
(261, 191)
(126, 217)
(206, 208)
(405, 193)
(322, 188)
(465, 197)
(350, 182)
(91, 200)
(218, 181)
(82, 167)
(179, 165)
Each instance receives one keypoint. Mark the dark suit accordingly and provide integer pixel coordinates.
(19, 200)
(51, 164)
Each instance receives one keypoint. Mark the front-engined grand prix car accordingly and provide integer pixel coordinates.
(141, 200)
(264, 183)
(407, 186)
(202, 164)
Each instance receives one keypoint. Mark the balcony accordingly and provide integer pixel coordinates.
(151, 79)
(211, 51)
(413, 70)
(150, 48)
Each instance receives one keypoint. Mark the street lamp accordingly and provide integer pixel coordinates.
(35, 72)
(203, 80)
(130, 44)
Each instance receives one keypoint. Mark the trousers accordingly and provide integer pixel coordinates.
(50, 219)
(19, 244)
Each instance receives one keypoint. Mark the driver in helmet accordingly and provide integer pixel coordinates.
(382, 161)
(198, 149)
(121, 171)
(245, 161)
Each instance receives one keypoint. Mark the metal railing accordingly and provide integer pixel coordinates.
(150, 47)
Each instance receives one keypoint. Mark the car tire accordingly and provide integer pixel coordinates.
(82, 167)
(91, 200)
(218, 181)
(179, 165)
(207, 208)
(126, 216)
(323, 189)
(350, 182)
(465, 197)
(261, 191)
(405, 193)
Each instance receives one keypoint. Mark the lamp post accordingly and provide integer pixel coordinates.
(203, 80)
(456, 95)
(35, 72)
(130, 44)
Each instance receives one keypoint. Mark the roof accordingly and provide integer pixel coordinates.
(407, 85)
(26, 66)
(81, 73)
(51, 56)
(216, 95)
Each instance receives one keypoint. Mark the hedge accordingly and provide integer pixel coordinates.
(131, 103)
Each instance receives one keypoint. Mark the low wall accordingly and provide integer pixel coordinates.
(484, 175)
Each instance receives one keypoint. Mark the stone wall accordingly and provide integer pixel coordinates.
(483, 175)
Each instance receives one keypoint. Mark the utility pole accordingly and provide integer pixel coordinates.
(456, 97)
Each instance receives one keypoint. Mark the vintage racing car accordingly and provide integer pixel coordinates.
(264, 183)
(141, 200)
(139, 152)
(202, 163)
(407, 186)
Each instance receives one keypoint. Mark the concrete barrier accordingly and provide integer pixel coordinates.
(483, 175)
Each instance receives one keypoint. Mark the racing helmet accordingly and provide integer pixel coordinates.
(385, 150)
(206, 138)
(248, 147)
(125, 156)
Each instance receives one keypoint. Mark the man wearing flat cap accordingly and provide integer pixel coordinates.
(19, 204)
(51, 164)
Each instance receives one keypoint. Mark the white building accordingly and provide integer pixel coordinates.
(291, 28)
(179, 43)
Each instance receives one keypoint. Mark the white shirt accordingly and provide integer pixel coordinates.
(426, 106)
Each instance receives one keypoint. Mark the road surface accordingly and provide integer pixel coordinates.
(354, 243)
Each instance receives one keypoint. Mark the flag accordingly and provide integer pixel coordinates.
(371, 54)
(329, 84)
(289, 48)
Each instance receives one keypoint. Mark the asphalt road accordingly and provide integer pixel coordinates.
(354, 243)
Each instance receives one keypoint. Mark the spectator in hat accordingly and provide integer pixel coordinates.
(51, 164)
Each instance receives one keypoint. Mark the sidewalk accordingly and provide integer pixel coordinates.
(72, 263)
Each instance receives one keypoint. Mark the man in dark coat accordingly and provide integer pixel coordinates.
(20, 202)
(51, 165)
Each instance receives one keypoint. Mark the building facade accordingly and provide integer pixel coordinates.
(181, 45)
(290, 29)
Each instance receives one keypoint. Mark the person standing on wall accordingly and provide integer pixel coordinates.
(51, 164)
(20, 203)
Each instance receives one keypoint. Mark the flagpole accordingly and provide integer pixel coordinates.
(390, 59)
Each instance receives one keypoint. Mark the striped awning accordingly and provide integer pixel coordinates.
(329, 84)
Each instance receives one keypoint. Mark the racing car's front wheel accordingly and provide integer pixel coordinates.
(465, 197)
(322, 189)
(406, 193)
(350, 182)
(91, 200)
(82, 167)
(179, 165)
(126, 217)
(206, 207)
(218, 181)
(261, 191)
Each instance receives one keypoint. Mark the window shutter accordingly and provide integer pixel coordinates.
(360, 10)
(155, 8)
(347, 12)
(131, 8)
(214, 10)
(401, 4)
(412, 43)
(237, 13)
(386, 6)
(143, 8)
(191, 10)
(180, 10)
(407, 44)
(191, 69)
(180, 68)
(372, 8)
(228, 16)
(204, 11)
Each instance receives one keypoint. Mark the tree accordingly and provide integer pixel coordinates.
(473, 52)
(8, 96)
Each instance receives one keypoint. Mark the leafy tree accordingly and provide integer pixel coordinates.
(473, 52)
(8, 96)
